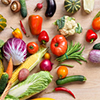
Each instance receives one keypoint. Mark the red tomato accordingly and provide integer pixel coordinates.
(96, 23)
(58, 45)
(32, 47)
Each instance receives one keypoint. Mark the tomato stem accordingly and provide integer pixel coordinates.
(31, 47)
(56, 45)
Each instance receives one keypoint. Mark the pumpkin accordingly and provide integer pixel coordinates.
(72, 6)
(2, 23)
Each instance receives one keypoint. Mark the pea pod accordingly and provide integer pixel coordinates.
(72, 78)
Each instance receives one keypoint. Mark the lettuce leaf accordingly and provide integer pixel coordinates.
(34, 84)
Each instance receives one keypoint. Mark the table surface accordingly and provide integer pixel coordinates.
(89, 90)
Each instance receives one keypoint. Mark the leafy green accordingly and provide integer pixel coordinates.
(60, 22)
(70, 18)
(1, 43)
(9, 97)
(78, 29)
(34, 84)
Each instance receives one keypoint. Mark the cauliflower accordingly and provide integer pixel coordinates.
(67, 26)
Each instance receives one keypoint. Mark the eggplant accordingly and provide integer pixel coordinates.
(51, 8)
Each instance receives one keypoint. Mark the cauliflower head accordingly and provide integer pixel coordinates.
(67, 26)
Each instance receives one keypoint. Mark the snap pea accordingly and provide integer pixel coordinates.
(72, 78)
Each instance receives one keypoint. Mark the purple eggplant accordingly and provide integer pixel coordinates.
(51, 8)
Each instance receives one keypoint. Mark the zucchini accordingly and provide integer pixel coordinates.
(3, 82)
(97, 46)
(23, 8)
(70, 79)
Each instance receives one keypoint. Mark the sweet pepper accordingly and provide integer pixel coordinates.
(17, 33)
(35, 24)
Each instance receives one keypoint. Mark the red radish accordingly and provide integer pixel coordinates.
(38, 6)
(46, 65)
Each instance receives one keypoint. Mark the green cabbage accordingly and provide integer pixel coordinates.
(34, 84)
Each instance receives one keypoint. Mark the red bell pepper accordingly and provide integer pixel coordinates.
(35, 24)
(91, 36)
(43, 37)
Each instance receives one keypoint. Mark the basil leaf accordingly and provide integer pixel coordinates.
(1, 43)
(60, 22)
(78, 29)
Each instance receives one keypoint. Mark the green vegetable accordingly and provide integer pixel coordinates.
(60, 22)
(72, 6)
(1, 45)
(3, 82)
(78, 29)
(34, 84)
(9, 97)
(97, 15)
(97, 46)
(23, 8)
(73, 52)
(70, 79)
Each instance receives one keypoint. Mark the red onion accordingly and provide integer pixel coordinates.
(46, 65)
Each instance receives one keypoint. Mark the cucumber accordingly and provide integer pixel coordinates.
(97, 46)
(70, 79)
(23, 8)
(3, 82)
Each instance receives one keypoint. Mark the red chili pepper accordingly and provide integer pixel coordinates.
(91, 36)
(64, 89)
(23, 29)
(43, 37)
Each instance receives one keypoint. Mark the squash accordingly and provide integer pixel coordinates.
(72, 6)
(2, 23)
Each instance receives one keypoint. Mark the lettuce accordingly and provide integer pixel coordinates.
(34, 84)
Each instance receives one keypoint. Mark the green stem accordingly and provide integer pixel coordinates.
(92, 40)
(13, 29)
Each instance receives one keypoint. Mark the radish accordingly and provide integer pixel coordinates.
(38, 6)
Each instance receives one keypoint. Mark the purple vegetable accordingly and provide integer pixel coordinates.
(46, 65)
(15, 48)
(94, 56)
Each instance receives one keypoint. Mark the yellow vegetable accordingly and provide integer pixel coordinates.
(88, 5)
(29, 64)
(43, 99)
(1, 68)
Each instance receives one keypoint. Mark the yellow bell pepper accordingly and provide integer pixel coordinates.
(17, 33)
(44, 98)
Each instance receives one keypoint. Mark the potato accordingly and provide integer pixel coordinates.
(23, 74)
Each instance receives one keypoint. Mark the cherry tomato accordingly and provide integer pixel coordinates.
(96, 23)
(32, 47)
(47, 56)
(58, 45)
(62, 72)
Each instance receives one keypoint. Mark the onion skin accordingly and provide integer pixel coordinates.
(94, 56)
(46, 65)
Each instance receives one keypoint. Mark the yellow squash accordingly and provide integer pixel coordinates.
(43, 99)
(1, 68)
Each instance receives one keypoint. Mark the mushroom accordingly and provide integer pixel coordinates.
(15, 6)
(6, 2)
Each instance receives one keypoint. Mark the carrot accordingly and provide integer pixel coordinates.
(9, 69)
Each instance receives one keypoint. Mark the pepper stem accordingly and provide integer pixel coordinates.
(13, 29)
(43, 42)
(91, 40)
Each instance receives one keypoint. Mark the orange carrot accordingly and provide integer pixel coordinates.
(9, 69)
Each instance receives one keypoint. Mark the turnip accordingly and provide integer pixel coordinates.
(94, 56)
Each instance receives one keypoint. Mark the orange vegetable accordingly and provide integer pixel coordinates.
(62, 72)
(47, 56)
(96, 23)
(9, 69)
(35, 24)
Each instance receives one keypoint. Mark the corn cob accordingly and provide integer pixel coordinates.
(29, 64)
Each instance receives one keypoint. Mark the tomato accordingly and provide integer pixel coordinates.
(47, 56)
(58, 45)
(32, 47)
(62, 72)
(96, 23)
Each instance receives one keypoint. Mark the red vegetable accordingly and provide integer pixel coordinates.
(38, 6)
(64, 89)
(43, 37)
(91, 36)
(23, 29)
(46, 65)
(58, 45)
